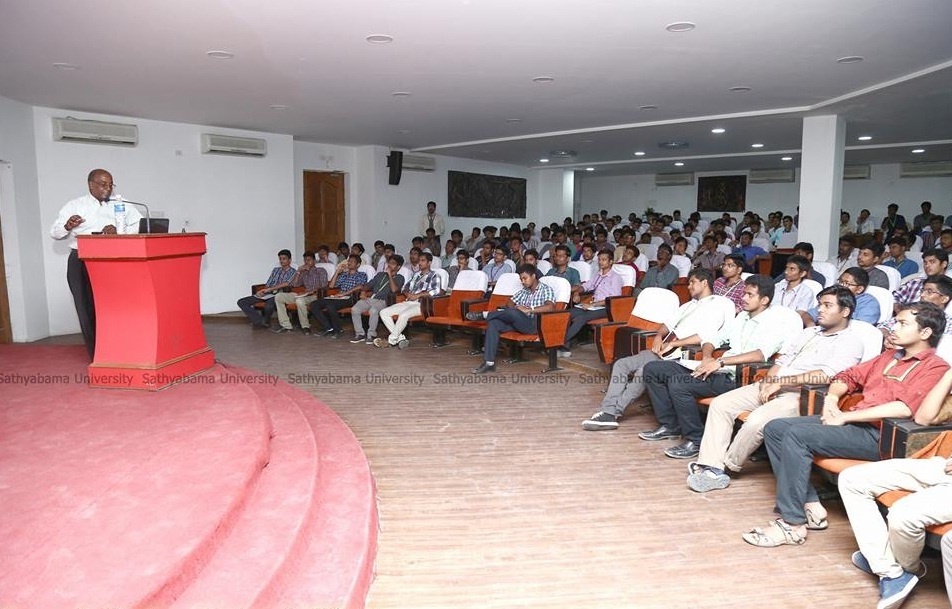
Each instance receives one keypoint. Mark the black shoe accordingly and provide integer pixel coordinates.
(357, 339)
(684, 450)
(282, 330)
(485, 368)
(335, 334)
(306, 331)
(662, 433)
(474, 316)
(261, 325)
(600, 421)
(327, 332)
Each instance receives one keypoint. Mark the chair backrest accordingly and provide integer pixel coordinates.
(561, 287)
(365, 258)
(642, 261)
(471, 280)
(510, 264)
(656, 241)
(870, 336)
(680, 288)
(649, 251)
(944, 350)
(507, 284)
(683, 264)
(788, 320)
(444, 277)
(828, 270)
(544, 266)
(584, 269)
(915, 257)
(744, 276)
(892, 275)
(787, 240)
(472, 264)
(655, 304)
(627, 274)
(815, 287)
(328, 268)
(332, 257)
(436, 263)
(369, 270)
(885, 299)
(762, 243)
(406, 273)
(915, 248)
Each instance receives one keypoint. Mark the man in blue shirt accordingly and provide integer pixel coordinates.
(280, 276)
(750, 252)
(897, 257)
(856, 280)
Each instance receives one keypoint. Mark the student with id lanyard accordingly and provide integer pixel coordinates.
(605, 284)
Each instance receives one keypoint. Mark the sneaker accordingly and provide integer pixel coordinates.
(600, 421)
(282, 330)
(357, 339)
(335, 334)
(859, 561)
(381, 343)
(662, 433)
(474, 316)
(306, 331)
(684, 450)
(370, 340)
(563, 352)
(403, 344)
(485, 368)
(326, 332)
(893, 591)
(708, 479)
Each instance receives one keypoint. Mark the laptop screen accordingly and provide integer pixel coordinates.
(155, 225)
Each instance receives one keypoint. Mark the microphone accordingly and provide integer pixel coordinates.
(148, 218)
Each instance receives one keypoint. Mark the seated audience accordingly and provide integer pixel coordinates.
(893, 385)
(751, 253)
(856, 280)
(561, 268)
(935, 262)
(806, 250)
(310, 277)
(498, 266)
(462, 264)
(890, 549)
(791, 292)
(897, 257)
(424, 284)
(675, 386)
(813, 357)
(519, 314)
(707, 257)
(662, 275)
(730, 284)
(844, 255)
(936, 290)
(892, 222)
(870, 254)
(280, 276)
(348, 282)
(374, 297)
(603, 284)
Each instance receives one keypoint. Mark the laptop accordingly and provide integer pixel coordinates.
(156, 225)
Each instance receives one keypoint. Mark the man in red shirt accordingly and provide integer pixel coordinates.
(893, 385)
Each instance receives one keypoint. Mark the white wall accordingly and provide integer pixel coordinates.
(624, 194)
(19, 210)
(246, 205)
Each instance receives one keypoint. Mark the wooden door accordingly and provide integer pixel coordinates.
(323, 209)
(6, 333)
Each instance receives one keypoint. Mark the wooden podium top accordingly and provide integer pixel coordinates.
(140, 246)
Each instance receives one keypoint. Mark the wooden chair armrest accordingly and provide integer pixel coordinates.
(440, 306)
(255, 287)
(748, 374)
(479, 304)
(619, 307)
(902, 438)
(551, 328)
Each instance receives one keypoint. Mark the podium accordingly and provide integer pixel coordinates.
(149, 331)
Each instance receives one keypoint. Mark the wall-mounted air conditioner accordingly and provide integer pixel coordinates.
(674, 179)
(771, 176)
(925, 170)
(94, 132)
(417, 162)
(856, 172)
(229, 144)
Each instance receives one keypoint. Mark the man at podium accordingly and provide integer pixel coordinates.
(86, 215)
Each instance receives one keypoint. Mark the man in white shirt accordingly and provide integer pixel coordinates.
(89, 214)
(791, 291)
(702, 314)
(864, 223)
(433, 220)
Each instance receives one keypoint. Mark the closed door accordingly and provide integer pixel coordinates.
(323, 209)
(6, 333)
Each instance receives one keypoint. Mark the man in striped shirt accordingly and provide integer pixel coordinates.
(730, 284)
(280, 276)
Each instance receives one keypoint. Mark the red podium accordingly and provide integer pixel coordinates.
(149, 331)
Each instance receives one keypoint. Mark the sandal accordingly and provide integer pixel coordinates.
(760, 538)
(814, 523)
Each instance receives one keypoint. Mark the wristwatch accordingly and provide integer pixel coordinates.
(720, 362)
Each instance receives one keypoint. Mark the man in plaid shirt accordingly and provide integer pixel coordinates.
(280, 276)
(310, 277)
(935, 262)
(348, 281)
(425, 283)
(519, 315)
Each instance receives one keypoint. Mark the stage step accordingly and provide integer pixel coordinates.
(249, 562)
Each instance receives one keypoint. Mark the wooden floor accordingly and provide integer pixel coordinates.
(491, 495)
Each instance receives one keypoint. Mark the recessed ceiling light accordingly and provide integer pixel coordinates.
(648, 107)
(718, 130)
(850, 59)
(589, 169)
(401, 94)
(680, 26)
(739, 89)
(918, 151)
(543, 160)
(513, 120)
(756, 145)
(278, 107)
(865, 138)
(786, 158)
(674, 145)
(639, 153)
(403, 131)
(379, 39)
(563, 153)
(587, 141)
(679, 164)
(66, 66)
(220, 54)
(543, 79)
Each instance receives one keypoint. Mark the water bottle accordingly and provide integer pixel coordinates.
(119, 209)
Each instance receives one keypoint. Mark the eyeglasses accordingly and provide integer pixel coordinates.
(105, 184)
(847, 284)
(931, 291)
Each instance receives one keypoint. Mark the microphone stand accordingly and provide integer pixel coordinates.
(148, 217)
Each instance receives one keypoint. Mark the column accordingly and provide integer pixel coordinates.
(821, 183)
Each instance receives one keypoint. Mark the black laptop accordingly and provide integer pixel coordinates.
(155, 225)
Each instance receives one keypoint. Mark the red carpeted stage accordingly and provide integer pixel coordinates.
(232, 490)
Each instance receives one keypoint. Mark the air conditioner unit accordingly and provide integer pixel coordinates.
(416, 162)
(94, 132)
(770, 176)
(674, 179)
(925, 170)
(856, 172)
(229, 144)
